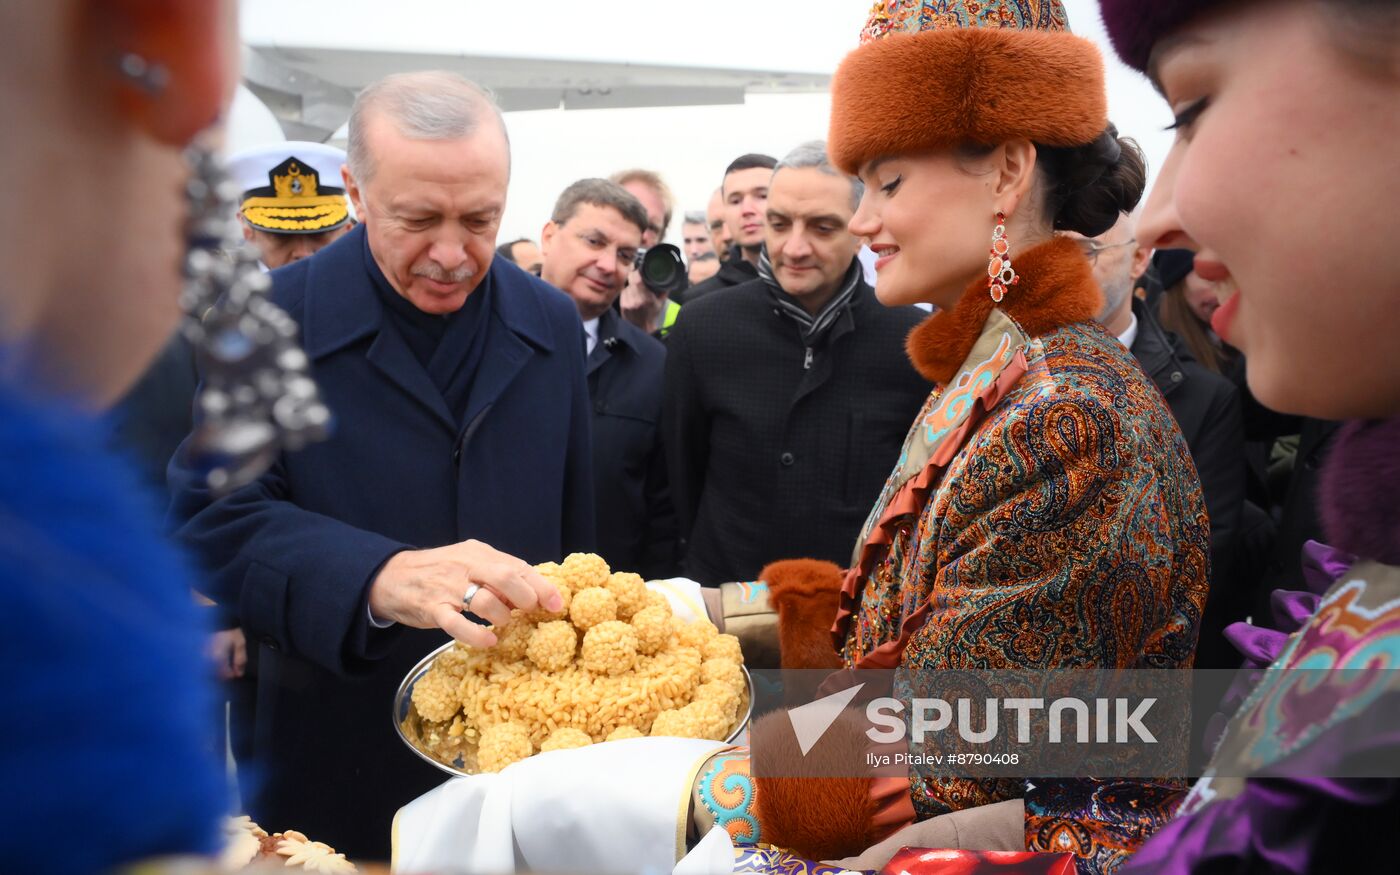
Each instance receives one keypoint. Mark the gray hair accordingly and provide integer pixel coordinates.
(429, 105)
(813, 154)
(695, 217)
(600, 193)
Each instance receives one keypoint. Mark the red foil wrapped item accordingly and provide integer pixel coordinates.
(925, 861)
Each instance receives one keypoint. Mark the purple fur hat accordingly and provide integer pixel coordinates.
(1358, 488)
(1134, 26)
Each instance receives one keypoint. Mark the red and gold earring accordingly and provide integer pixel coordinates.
(1000, 274)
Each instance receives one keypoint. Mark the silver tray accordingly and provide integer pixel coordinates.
(409, 725)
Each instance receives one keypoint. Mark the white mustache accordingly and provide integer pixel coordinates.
(437, 274)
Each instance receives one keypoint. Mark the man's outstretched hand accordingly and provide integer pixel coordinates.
(424, 589)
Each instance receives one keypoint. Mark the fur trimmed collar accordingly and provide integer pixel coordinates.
(1057, 288)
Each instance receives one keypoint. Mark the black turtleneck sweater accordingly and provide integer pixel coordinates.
(449, 347)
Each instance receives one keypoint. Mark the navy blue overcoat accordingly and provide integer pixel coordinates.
(295, 551)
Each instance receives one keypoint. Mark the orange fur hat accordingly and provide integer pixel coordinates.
(964, 78)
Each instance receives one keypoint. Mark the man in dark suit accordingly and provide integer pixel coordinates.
(589, 247)
(1207, 407)
(457, 382)
(788, 397)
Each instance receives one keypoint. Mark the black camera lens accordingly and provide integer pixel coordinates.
(663, 269)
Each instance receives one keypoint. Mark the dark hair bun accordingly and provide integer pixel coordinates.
(1092, 185)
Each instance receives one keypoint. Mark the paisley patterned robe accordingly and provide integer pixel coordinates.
(1045, 514)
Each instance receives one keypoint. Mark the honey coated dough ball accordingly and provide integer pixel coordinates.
(592, 606)
(696, 634)
(655, 599)
(460, 660)
(435, 696)
(622, 732)
(724, 696)
(723, 647)
(609, 648)
(670, 724)
(712, 720)
(653, 628)
(501, 745)
(725, 671)
(630, 592)
(513, 639)
(696, 720)
(552, 572)
(583, 570)
(566, 738)
(552, 645)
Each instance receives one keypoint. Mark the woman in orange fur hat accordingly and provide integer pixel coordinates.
(1045, 512)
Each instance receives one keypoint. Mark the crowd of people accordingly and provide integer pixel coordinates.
(1134, 415)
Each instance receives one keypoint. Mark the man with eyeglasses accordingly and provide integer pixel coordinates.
(589, 246)
(1206, 405)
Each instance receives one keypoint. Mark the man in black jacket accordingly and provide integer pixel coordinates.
(788, 397)
(1207, 407)
(744, 198)
(589, 247)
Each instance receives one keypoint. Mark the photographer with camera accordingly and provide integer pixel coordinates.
(649, 300)
(590, 246)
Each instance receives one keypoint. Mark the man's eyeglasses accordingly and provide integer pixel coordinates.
(597, 242)
(1093, 250)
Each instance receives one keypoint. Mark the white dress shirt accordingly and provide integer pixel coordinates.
(1130, 333)
(590, 328)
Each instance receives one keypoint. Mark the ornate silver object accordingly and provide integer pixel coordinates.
(256, 395)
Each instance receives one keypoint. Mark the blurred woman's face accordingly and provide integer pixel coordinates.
(1283, 172)
(1201, 297)
(102, 284)
(929, 218)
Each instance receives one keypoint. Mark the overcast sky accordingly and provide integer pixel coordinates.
(689, 146)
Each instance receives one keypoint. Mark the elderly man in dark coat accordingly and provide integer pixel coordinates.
(788, 397)
(462, 420)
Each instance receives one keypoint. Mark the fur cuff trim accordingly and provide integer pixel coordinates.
(806, 593)
(941, 88)
(1057, 288)
(819, 816)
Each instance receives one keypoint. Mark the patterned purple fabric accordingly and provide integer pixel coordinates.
(1260, 646)
(1322, 566)
(1313, 824)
